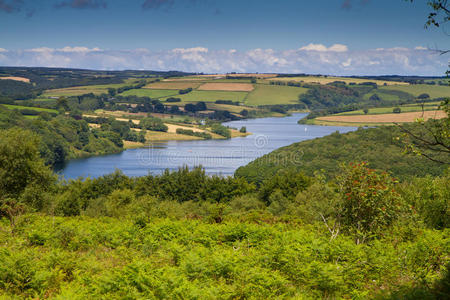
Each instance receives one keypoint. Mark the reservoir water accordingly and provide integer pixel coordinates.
(221, 157)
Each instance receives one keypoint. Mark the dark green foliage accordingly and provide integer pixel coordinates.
(370, 203)
(24, 179)
(151, 123)
(381, 147)
(287, 182)
(423, 96)
(243, 129)
(185, 91)
(396, 110)
(62, 137)
(203, 135)
(172, 99)
(221, 130)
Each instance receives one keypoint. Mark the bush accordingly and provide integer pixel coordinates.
(370, 202)
(397, 110)
(221, 130)
(203, 135)
(154, 124)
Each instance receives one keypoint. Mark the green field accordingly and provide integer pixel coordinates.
(274, 94)
(86, 89)
(388, 110)
(30, 108)
(211, 96)
(435, 91)
(383, 96)
(150, 93)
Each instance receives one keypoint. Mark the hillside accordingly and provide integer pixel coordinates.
(380, 147)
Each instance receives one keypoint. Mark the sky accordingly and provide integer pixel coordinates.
(336, 37)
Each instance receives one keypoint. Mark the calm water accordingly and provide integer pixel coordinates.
(216, 156)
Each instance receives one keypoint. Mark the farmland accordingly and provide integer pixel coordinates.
(235, 87)
(152, 93)
(329, 79)
(385, 118)
(172, 85)
(38, 109)
(211, 96)
(435, 91)
(86, 89)
(16, 78)
(273, 94)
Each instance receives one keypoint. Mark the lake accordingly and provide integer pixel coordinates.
(221, 157)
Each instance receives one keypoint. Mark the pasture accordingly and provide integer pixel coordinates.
(86, 89)
(152, 93)
(212, 96)
(387, 110)
(172, 85)
(274, 94)
(329, 79)
(435, 91)
(383, 96)
(219, 86)
(38, 109)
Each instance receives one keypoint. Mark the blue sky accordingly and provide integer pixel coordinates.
(373, 36)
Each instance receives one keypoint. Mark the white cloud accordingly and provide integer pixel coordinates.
(323, 48)
(190, 50)
(314, 47)
(313, 59)
(420, 48)
(78, 49)
(338, 48)
(3, 50)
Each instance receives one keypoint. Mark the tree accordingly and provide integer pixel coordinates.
(424, 96)
(243, 129)
(397, 110)
(375, 97)
(24, 178)
(154, 124)
(62, 103)
(366, 111)
(370, 202)
(431, 139)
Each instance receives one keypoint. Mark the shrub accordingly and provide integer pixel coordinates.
(370, 202)
(397, 110)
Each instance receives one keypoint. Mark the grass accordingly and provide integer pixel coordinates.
(384, 118)
(435, 91)
(86, 89)
(152, 93)
(383, 96)
(230, 108)
(212, 96)
(274, 94)
(9, 106)
(387, 110)
(172, 85)
(157, 136)
(328, 79)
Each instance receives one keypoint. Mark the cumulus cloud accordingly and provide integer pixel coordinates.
(82, 4)
(313, 58)
(323, 48)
